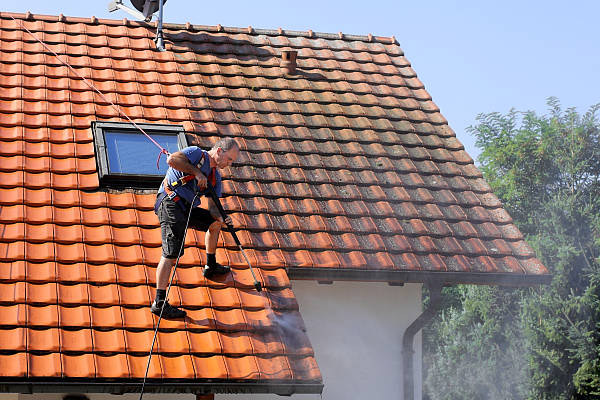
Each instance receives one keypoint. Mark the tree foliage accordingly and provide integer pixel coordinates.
(540, 343)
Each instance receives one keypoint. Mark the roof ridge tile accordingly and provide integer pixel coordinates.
(208, 28)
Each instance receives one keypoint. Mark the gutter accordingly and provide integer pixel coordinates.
(122, 387)
(435, 300)
(395, 276)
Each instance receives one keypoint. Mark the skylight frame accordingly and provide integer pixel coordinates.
(113, 179)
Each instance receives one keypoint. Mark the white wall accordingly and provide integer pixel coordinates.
(356, 331)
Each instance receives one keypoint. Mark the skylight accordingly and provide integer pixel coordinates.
(126, 157)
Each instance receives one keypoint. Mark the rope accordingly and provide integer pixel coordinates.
(166, 297)
(162, 151)
(91, 86)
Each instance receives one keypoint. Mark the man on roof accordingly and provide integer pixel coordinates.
(173, 206)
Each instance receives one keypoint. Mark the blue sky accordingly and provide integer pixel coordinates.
(472, 56)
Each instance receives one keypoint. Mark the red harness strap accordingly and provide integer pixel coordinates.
(171, 194)
(212, 178)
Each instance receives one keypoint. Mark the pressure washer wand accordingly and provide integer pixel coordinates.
(230, 228)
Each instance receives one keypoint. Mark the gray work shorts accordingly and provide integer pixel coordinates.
(172, 219)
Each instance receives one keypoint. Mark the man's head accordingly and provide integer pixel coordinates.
(225, 152)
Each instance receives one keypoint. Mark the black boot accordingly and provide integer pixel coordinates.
(215, 269)
(212, 267)
(168, 311)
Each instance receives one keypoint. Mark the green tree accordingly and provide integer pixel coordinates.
(541, 343)
(472, 352)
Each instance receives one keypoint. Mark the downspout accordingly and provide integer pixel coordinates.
(435, 298)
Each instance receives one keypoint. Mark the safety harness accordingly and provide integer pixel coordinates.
(170, 187)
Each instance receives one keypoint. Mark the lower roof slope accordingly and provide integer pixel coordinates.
(64, 324)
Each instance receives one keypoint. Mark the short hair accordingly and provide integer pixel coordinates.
(226, 143)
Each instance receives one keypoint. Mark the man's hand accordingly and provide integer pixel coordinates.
(214, 211)
(228, 221)
(201, 181)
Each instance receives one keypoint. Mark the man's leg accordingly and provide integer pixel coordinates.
(172, 236)
(163, 273)
(210, 241)
(211, 237)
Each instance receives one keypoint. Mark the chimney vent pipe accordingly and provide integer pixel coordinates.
(288, 61)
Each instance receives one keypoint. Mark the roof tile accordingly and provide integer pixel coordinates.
(12, 251)
(13, 315)
(274, 368)
(78, 366)
(180, 366)
(236, 343)
(131, 274)
(212, 367)
(134, 295)
(70, 273)
(104, 317)
(13, 340)
(137, 341)
(521, 249)
(47, 365)
(244, 368)
(13, 271)
(70, 252)
(172, 342)
(113, 366)
(305, 368)
(73, 295)
(326, 259)
(432, 262)
(16, 295)
(10, 197)
(74, 317)
(79, 340)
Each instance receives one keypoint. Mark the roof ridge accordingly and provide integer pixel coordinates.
(369, 38)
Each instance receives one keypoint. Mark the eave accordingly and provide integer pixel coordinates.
(399, 277)
(158, 386)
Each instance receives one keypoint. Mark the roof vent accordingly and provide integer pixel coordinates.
(288, 61)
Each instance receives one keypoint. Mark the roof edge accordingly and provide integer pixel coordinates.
(162, 386)
(399, 277)
(370, 38)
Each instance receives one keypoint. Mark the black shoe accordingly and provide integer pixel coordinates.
(215, 269)
(168, 312)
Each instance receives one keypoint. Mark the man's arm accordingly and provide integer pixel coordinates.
(180, 162)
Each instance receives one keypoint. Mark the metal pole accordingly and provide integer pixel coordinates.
(160, 44)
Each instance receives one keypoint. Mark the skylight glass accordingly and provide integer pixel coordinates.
(133, 153)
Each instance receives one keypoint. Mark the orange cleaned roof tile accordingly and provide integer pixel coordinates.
(349, 171)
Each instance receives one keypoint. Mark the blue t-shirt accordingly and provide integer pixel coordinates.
(187, 191)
